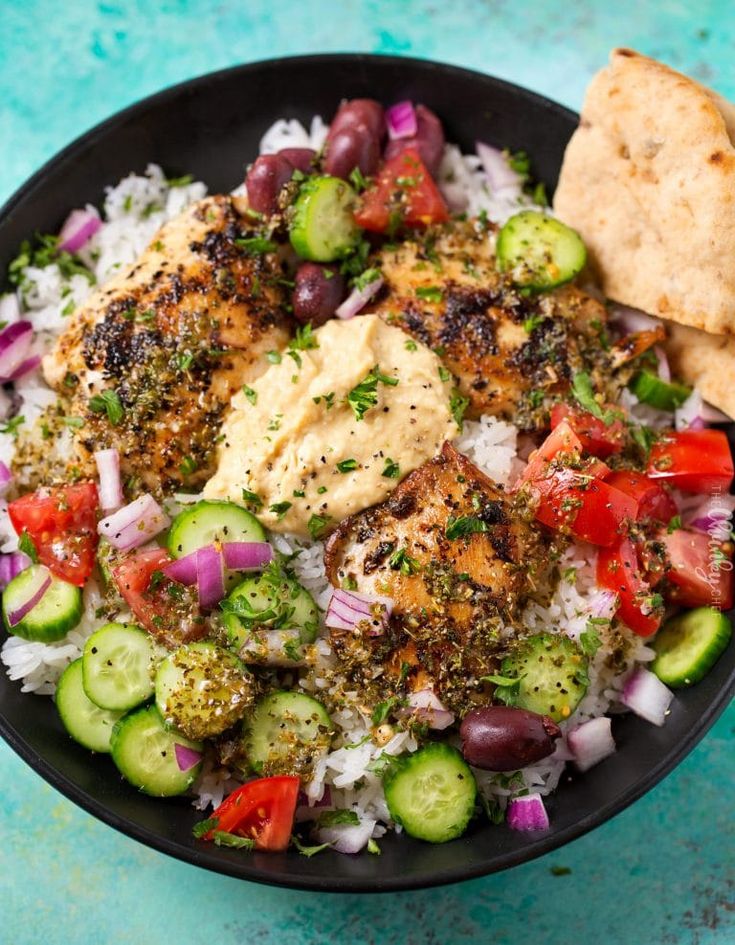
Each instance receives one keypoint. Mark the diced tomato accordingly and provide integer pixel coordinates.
(652, 498)
(701, 569)
(596, 436)
(618, 570)
(561, 440)
(166, 609)
(693, 460)
(403, 194)
(261, 810)
(575, 502)
(62, 524)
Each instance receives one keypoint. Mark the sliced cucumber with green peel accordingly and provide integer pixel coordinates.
(144, 750)
(689, 645)
(538, 251)
(209, 521)
(285, 733)
(270, 601)
(323, 227)
(118, 664)
(203, 689)
(87, 724)
(649, 388)
(431, 793)
(551, 674)
(56, 613)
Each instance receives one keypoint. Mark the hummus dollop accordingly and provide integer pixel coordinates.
(332, 429)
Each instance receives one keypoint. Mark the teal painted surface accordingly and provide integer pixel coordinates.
(663, 871)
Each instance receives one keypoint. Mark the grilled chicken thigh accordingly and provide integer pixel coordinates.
(506, 348)
(150, 361)
(459, 562)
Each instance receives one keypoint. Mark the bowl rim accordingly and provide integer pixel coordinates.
(203, 857)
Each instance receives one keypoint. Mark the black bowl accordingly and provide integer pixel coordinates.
(211, 127)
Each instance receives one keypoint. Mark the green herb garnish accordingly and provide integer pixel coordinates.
(391, 470)
(365, 394)
(463, 525)
(331, 818)
(280, 508)
(107, 402)
(317, 525)
(347, 465)
(25, 544)
(256, 245)
(430, 293)
(401, 561)
(251, 394)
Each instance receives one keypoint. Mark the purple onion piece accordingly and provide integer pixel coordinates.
(527, 813)
(134, 524)
(186, 758)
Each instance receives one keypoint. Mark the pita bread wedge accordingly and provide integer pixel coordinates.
(705, 361)
(648, 180)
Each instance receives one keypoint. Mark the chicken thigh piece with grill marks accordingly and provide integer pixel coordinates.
(149, 362)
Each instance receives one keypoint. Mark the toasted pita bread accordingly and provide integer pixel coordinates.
(649, 182)
(705, 361)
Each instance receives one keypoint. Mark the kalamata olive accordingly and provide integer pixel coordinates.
(503, 738)
(264, 180)
(299, 158)
(428, 141)
(317, 293)
(359, 112)
(351, 148)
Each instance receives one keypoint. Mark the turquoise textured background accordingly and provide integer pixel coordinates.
(664, 870)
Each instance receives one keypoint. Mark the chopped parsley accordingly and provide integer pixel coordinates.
(298, 493)
(643, 437)
(182, 181)
(252, 499)
(411, 345)
(108, 402)
(674, 524)
(430, 293)
(302, 341)
(204, 826)
(365, 394)
(383, 709)
(331, 818)
(391, 470)
(444, 374)
(74, 423)
(12, 426)
(401, 561)
(457, 406)
(520, 162)
(347, 465)
(224, 839)
(251, 394)
(317, 525)
(366, 278)
(536, 397)
(184, 361)
(463, 525)
(187, 466)
(358, 179)
(348, 583)
(532, 322)
(589, 640)
(585, 397)
(273, 357)
(321, 490)
(506, 681)
(46, 253)
(327, 398)
(280, 508)
(307, 850)
(25, 544)
(256, 245)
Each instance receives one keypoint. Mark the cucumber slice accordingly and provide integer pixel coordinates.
(431, 793)
(689, 645)
(539, 251)
(285, 733)
(323, 227)
(202, 689)
(210, 521)
(552, 676)
(58, 611)
(87, 724)
(144, 750)
(118, 664)
(272, 600)
(650, 389)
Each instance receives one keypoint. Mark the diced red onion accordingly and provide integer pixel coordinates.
(134, 524)
(664, 371)
(401, 121)
(347, 838)
(358, 299)
(11, 565)
(247, 555)
(603, 604)
(632, 319)
(590, 742)
(9, 308)
(426, 707)
(527, 813)
(25, 367)
(34, 593)
(79, 228)
(713, 516)
(306, 811)
(348, 609)
(183, 570)
(186, 758)
(647, 696)
(210, 576)
(6, 477)
(500, 174)
(15, 344)
(689, 415)
(110, 491)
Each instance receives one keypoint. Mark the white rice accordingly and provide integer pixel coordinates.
(133, 211)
